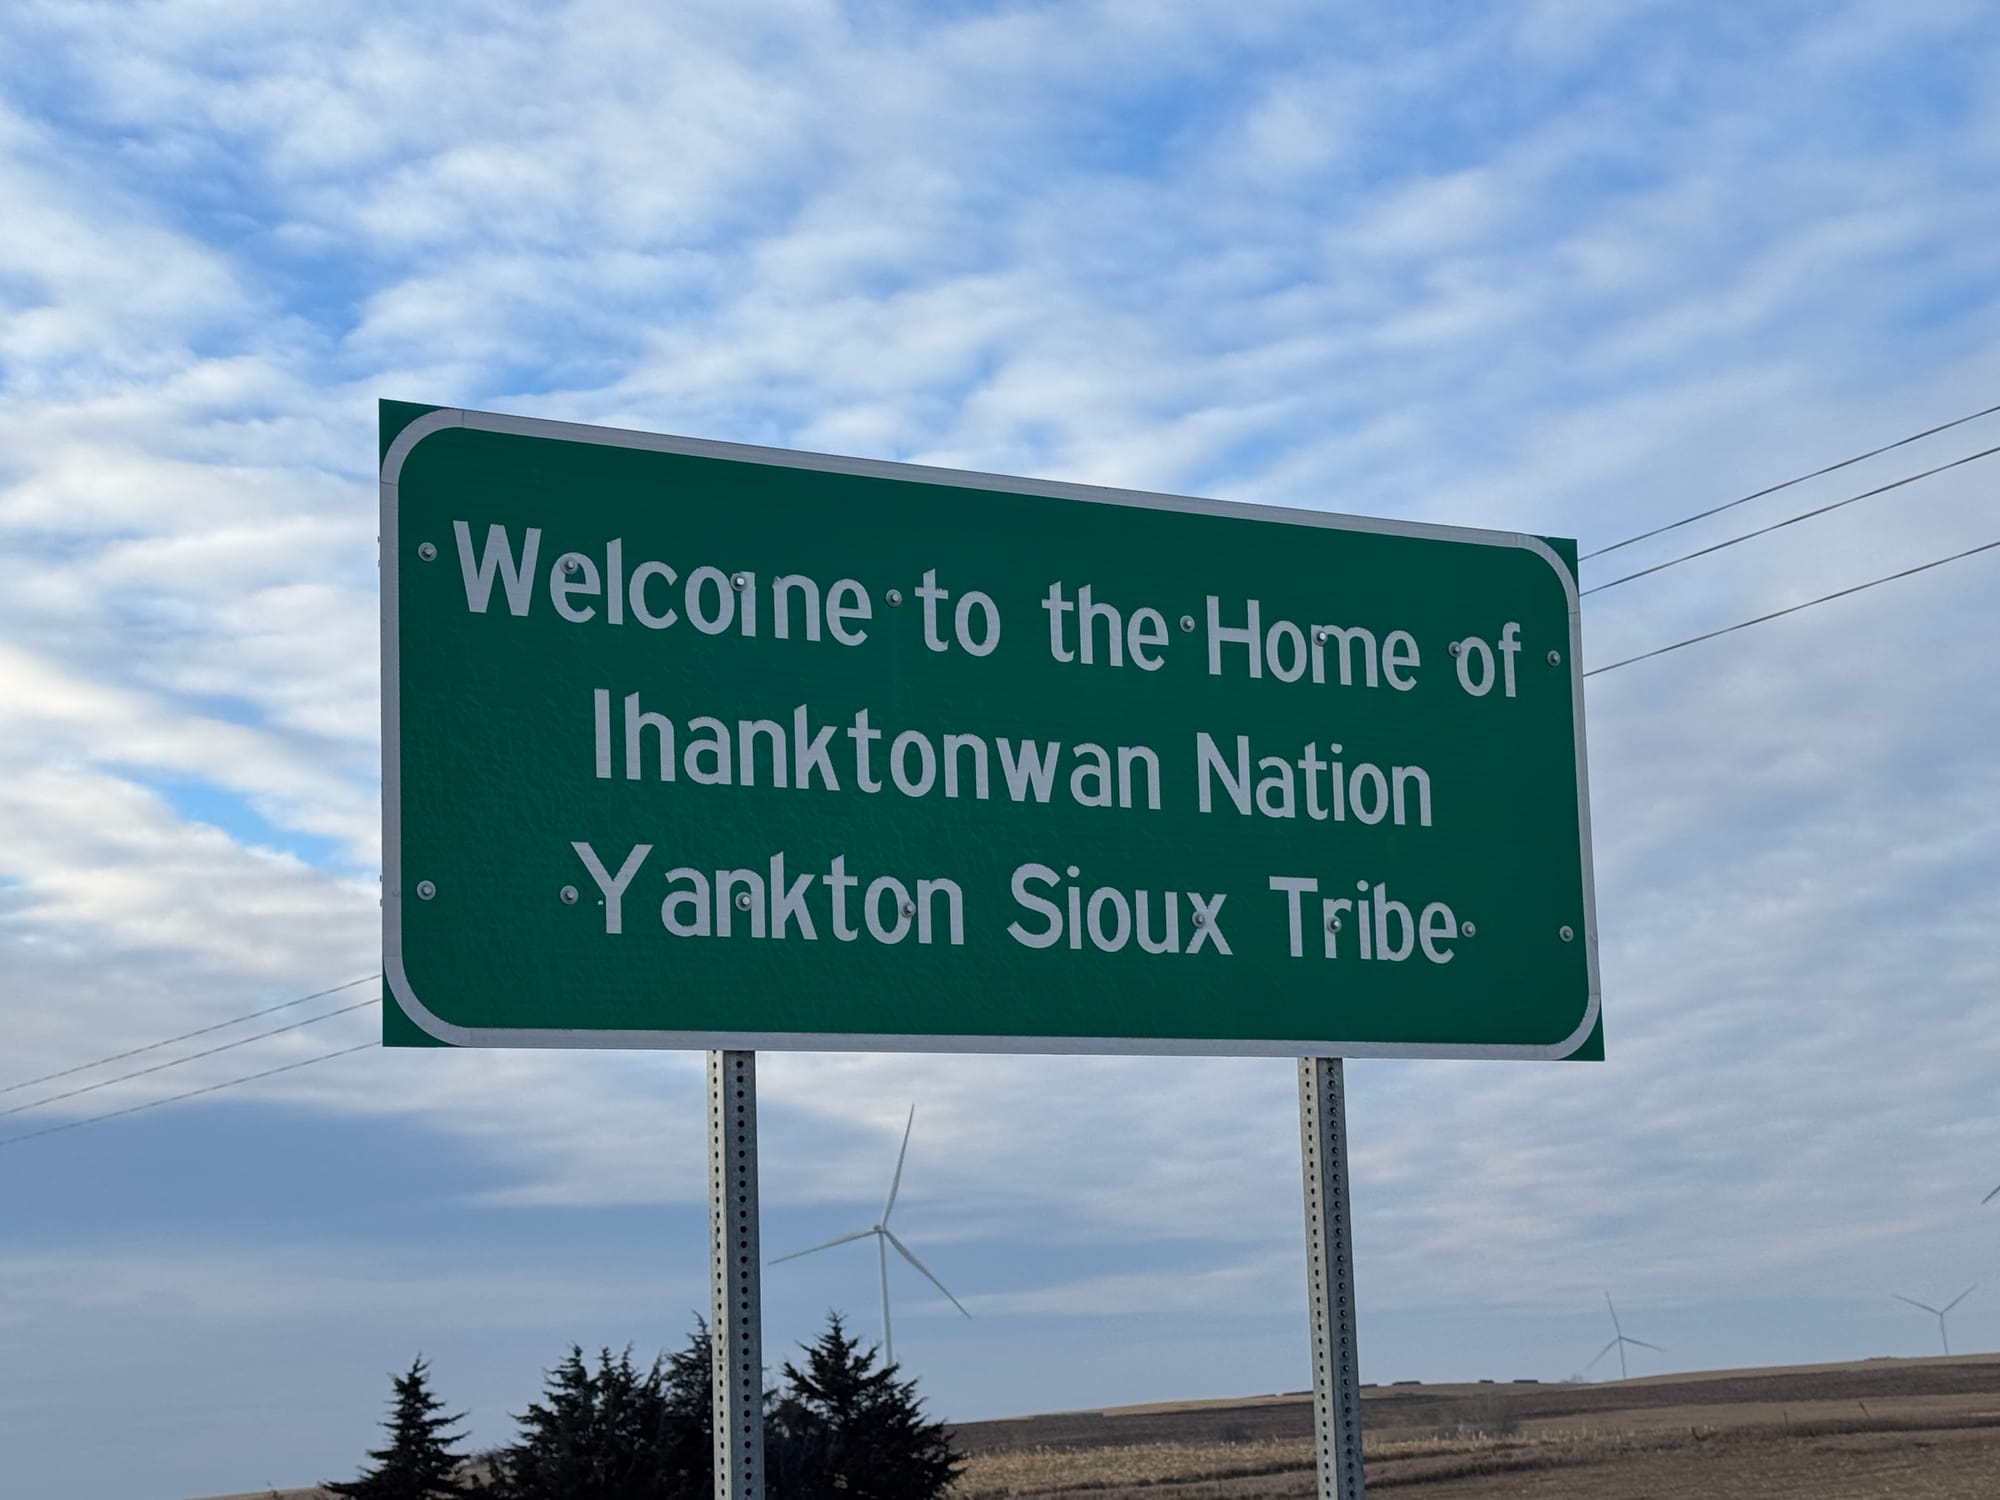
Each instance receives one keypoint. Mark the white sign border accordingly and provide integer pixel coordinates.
(445, 418)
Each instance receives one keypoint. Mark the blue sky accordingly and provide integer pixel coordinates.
(1568, 268)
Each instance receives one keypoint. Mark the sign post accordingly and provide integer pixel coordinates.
(694, 745)
(735, 1325)
(1336, 1359)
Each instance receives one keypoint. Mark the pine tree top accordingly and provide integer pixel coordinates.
(848, 1429)
(419, 1461)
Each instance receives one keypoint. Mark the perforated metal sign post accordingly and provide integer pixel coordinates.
(736, 1339)
(1336, 1355)
(694, 745)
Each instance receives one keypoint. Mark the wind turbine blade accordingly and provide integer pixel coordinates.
(1961, 1297)
(1991, 1196)
(1644, 1345)
(1614, 1315)
(859, 1234)
(1934, 1312)
(896, 1182)
(888, 1339)
(904, 1251)
(1600, 1355)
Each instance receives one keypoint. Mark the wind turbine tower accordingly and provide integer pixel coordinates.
(885, 1239)
(1619, 1340)
(1938, 1312)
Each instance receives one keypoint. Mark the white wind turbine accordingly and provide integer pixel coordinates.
(1619, 1340)
(1938, 1312)
(884, 1238)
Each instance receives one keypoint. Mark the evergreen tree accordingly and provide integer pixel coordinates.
(555, 1438)
(419, 1463)
(615, 1433)
(688, 1388)
(845, 1430)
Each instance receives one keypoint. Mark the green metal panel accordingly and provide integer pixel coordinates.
(497, 753)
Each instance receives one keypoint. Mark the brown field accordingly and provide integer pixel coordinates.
(1915, 1429)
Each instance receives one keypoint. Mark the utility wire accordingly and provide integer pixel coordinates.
(133, 1109)
(1804, 515)
(91, 1088)
(1715, 510)
(28, 1083)
(1795, 608)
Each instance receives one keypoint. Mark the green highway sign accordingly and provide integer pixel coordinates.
(687, 744)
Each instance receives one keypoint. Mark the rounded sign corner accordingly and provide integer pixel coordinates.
(1530, 543)
(407, 440)
(417, 1013)
(1579, 1039)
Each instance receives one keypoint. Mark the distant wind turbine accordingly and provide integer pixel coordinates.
(1939, 1312)
(884, 1238)
(1619, 1340)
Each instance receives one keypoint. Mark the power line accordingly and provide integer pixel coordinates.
(1804, 515)
(133, 1109)
(91, 1088)
(28, 1083)
(1795, 608)
(1773, 489)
